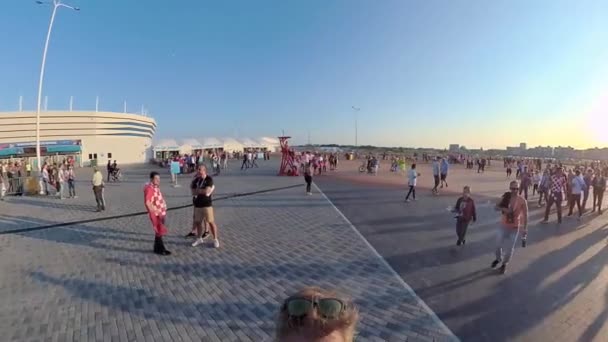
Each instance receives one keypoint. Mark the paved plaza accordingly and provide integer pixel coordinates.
(555, 288)
(100, 281)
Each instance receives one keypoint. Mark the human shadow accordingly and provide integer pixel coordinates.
(84, 235)
(235, 314)
(54, 203)
(593, 330)
(531, 301)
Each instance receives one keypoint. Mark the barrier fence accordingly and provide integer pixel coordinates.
(17, 186)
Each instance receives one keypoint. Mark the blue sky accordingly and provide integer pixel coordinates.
(424, 73)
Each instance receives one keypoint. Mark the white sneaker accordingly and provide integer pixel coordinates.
(216, 243)
(198, 242)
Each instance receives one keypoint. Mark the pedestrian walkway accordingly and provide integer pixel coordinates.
(100, 280)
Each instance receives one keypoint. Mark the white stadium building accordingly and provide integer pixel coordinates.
(91, 137)
(87, 136)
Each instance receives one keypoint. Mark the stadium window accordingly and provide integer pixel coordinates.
(94, 155)
(109, 155)
(90, 156)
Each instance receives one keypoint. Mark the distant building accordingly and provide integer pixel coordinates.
(454, 148)
(514, 151)
(523, 146)
(564, 152)
(540, 152)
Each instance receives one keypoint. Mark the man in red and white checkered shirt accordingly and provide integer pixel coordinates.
(157, 211)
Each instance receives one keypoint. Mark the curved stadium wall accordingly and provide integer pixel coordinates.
(103, 136)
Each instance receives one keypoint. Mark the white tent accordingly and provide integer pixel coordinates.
(192, 143)
(271, 144)
(166, 145)
(250, 143)
(232, 145)
(212, 143)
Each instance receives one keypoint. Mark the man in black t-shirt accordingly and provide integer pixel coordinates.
(202, 189)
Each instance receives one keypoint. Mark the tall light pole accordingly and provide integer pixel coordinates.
(356, 110)
(56, 4)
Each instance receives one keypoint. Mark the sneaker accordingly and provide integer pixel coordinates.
(464, 242)
(205, 234)
(191, 234)
(198, 241)
(216, 243)
(503, 269)
(495, 263)
(458, 243)
(309, 194)
(544, 221)
(407, 201)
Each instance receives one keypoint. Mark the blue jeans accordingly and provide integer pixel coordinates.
(508, 236)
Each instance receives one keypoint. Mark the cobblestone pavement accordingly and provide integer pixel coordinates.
(555, 289)
(100, 282)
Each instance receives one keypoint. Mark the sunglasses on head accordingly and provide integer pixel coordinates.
(328, 308)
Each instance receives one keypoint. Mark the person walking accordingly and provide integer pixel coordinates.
(61, 182)
(109, 170)
(588, 184)
(543, 187)
(245, 164)
(577, 187)
(157, 212)
(307, 170)
(525, 182)
(535, 182)
(98, 189)
(465, 213)
(514, 219)
(444, 171)
(45, 179)
(71, 176)
(412, 177)
(203, 207)
(599, 187)
(557, 189)
(436, 171)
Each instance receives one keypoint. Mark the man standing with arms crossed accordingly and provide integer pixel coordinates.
(157, 212)
(97, 183)
(514, 218)
(202, 190)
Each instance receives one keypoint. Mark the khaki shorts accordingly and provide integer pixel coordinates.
(203, 214)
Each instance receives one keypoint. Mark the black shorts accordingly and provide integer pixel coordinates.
(444, 176)
(436, 180)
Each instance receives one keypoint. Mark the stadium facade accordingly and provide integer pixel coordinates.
(87, 136)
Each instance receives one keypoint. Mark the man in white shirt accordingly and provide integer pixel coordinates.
(436, 168)
(412, 176)
(61, 178)
(97, 183)
(577, 187)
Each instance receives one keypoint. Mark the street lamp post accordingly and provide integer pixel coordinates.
(56, 4)
(356, 109)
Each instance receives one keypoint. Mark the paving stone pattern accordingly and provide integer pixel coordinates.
(100, 281)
